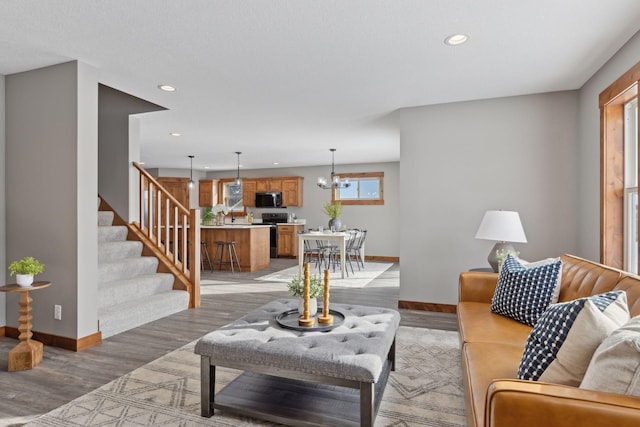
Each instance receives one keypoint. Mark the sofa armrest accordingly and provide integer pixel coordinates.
(529, 403)
(477, 286)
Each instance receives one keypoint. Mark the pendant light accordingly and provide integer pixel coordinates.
(191, 182)
(238, 180)
(335, 182)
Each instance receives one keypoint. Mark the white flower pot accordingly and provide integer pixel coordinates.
(24, 279)
(313, 306)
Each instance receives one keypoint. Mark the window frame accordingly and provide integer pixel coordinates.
(612, 207)
(355, 177)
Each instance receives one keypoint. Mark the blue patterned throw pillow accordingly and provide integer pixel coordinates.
(524, 293)
(562, 343)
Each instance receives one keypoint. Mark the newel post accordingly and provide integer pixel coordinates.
(194, 259)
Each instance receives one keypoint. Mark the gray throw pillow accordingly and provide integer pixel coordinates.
(615, 366)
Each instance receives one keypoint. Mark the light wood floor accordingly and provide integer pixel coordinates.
(64, 375)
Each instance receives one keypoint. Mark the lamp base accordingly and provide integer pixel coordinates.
(493, 255)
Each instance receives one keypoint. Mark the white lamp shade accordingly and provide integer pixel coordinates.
(501, 226)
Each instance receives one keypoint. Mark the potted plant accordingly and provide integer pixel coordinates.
(207, 216)
(316, 289)
(333, 210)
(25, 269)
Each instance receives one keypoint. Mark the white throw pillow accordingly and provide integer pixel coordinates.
(561, 344)
(615, 366)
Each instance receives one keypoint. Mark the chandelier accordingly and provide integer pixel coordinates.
(238, 179)
(192, 183)
(336, 182)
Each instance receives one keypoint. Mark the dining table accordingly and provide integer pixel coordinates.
(340, 237)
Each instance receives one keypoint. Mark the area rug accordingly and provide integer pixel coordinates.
(357, 279)
(425, 390)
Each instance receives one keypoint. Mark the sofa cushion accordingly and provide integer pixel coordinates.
(522, 293)
(615, 366)
(476, 323)
(563, 341)
(482, 363)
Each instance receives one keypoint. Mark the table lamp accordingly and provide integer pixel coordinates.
(504, 227)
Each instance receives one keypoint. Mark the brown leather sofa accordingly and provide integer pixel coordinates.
(492, 346)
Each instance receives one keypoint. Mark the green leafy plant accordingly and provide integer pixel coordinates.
(333, 209)
(316, 286)
(501, 255)
(207, 216)
(28, 265)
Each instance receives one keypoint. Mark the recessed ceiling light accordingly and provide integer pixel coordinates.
(167, 88)
(206, 167)
(276, 163)
(456, 39)
(175, 134)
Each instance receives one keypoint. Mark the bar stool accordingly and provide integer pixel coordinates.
(204, 256)
(233, 255)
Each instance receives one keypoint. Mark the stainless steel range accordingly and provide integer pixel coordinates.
(273, 219)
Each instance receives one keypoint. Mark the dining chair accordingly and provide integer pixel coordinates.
(314, 253)
(355, 250)
(334, 253)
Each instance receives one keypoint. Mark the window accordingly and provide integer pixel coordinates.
(619, 172)
(232, 195)
(367, 188)
(631, 186)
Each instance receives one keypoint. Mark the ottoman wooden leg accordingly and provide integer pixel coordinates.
(367, 394)
(207, 386)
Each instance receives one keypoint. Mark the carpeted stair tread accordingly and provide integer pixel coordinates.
(105, 218)
(126, 268)
(112, 233)
(131, 314)
(120, 291)
(111, 251)
(130, 290)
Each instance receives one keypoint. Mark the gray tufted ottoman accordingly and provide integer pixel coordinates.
(331, 378)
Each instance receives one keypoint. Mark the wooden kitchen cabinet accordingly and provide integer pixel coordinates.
(288, 239)
(269, 184)
(177, 187)
(292, 191)
(262, 185)
(249, 188)
(207, 192)
(290, 186)
(275, 184)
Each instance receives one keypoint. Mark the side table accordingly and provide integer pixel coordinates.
(28, 352)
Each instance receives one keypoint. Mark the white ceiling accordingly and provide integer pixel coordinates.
(285, 80)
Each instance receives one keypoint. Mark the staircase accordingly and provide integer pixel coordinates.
(130, 291)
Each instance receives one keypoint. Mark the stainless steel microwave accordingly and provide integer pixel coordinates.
(271, 199)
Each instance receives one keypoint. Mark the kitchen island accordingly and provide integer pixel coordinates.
(252, 244)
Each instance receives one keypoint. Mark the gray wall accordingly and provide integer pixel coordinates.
(461, 159)
(588, 221)
(3, 238)
(117, 179)
(51, 158)
(382, 222)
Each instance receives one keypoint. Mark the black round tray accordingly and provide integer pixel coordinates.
(289, 320)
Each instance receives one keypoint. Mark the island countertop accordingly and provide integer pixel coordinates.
(252, 244)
